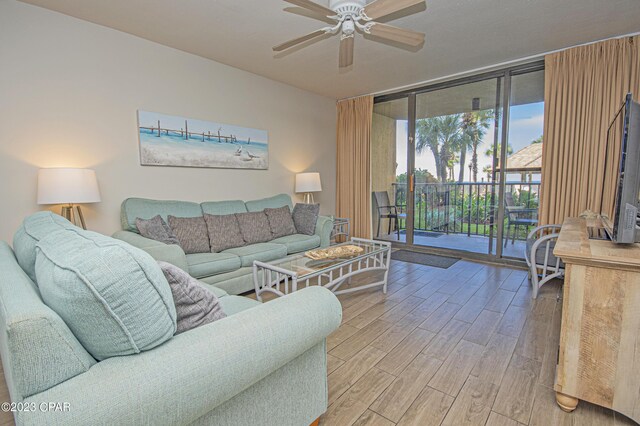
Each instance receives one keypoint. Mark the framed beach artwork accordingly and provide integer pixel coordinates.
(167, 140)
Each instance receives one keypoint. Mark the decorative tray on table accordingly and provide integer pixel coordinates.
(334, 252)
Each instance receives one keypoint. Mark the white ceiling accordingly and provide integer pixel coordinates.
(461, 35)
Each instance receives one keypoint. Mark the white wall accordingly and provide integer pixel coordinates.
(69, 91)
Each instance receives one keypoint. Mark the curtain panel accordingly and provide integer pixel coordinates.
(584, 88)
(353, 192)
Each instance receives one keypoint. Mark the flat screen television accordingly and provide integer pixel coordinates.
(622, 165)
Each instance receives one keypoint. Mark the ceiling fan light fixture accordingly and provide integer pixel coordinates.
(348, 28)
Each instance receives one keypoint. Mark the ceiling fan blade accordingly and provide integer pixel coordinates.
(346, 52)
(400, 35)
(381, 8)
(296, 41)
(300, 11)
(308, 4)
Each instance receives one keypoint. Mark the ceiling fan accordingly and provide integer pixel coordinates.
(357, 15)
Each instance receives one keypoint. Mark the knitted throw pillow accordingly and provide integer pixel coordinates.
(156, 229)
(192, 233)
(280, 222)
(305, 217)
(195, 304)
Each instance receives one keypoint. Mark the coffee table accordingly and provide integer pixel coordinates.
(283, 276)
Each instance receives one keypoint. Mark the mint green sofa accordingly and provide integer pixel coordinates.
(231, 269)
(265, 364)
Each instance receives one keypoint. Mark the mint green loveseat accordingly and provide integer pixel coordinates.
(231, 269)
(265, 364)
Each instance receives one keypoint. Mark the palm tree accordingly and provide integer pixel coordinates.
(449, 135)
(427, 137)
(475, 125)
(442, 135)
(451, 138)
(489, 151)
(489, 172)
(466, 142)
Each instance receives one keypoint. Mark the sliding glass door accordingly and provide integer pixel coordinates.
(523, 171)
(437, 156)
(456, 140)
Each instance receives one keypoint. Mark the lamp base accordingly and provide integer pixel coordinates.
(73, 214)
(308, 198)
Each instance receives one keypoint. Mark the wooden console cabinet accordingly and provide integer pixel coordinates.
(599, 357)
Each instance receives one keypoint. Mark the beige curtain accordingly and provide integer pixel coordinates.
(353, 163)
(584, 87)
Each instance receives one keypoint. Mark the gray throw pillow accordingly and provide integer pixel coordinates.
(280, 222)
(254, 227)
(224, 232)
(195, 304)
(156, 229)
(191, 233)
(305, 217)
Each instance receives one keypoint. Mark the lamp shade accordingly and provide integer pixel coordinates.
(67, 186)
(308, 182)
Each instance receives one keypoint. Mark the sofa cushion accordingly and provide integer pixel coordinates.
(298, 243)
(269, 203)
(156, 229)
(224, 232)
(234, 304)
(263, 252)
(305, 217)
(195, 304)
(280, 222)
(113, 296)
(220, 293)
(133, 208)
(39, 350)
(32, 230)
(191, 233)
(254, 227)
(220, 208)
(203, 265)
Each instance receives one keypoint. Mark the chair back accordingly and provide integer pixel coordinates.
(382, 199)
(509, 200)
(509, 203)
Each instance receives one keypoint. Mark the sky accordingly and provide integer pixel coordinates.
(526, 124)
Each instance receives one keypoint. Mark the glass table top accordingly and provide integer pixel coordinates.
(304, 266)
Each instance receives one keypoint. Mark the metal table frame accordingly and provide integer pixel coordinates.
(269, 278)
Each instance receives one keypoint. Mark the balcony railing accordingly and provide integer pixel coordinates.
(464, 208)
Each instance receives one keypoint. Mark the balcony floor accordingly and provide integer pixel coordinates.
(474, 243)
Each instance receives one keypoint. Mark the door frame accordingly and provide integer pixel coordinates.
(503, 77)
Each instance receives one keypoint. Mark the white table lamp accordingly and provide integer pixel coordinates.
(70, 187)
(308, 183)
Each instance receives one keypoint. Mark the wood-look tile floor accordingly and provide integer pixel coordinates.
(460, 346)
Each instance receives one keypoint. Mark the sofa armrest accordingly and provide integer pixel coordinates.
(190, 375)
(159, 251)
(324, 227)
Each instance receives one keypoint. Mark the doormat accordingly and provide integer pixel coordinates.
(424, 234)
(424, 258)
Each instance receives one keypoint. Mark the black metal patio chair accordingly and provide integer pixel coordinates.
(387, 211)
(518, 216)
